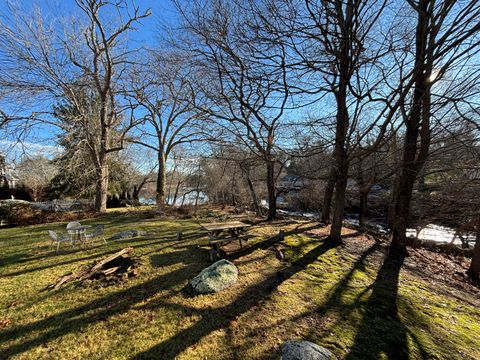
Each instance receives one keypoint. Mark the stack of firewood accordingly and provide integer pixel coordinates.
(118, 266)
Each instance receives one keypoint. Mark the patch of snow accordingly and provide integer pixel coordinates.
(352, 219)
(305, 214)
(440, 234)
(145, 201)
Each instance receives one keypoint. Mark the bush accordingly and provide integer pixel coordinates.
(17, 213)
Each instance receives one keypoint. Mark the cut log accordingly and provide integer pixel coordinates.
(110, 271)
(119, 264)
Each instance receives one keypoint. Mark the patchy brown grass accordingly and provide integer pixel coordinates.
(351, 299)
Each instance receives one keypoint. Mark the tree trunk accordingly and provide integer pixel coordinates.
(401, 211)
(272, 201)
(251, 188)
(417, 124)
(100, 161)
(234, 186)
(328, 195)
(391, 205)
(196, 200)
(341, 159)
(101, 189)
(339, 205)
(175, 195)
(136, 193)
(161, 180)
(197, 189)
(363, 207)
(474, 270)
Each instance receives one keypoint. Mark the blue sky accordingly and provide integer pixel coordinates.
(147, 34)
(163, 11)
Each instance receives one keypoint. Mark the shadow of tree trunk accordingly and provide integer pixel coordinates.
(381, 331)
(251, 297)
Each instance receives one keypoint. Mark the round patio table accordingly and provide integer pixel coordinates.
(78, 232)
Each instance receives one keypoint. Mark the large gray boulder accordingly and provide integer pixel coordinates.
(128, 234)
(216, 277)
(304, 350)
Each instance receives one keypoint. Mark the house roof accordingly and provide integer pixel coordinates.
(10, 177)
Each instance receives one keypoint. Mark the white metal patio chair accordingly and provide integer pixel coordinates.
(56, 239)
(98, 232)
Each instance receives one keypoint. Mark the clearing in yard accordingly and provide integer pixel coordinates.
(350, 299)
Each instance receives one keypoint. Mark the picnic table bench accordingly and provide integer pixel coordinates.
(223, 233)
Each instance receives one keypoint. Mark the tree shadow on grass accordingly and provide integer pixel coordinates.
(219, 318)
(81, 317)
(56, 264)
(334, 301)
(265, 244)
(139, 243)
(381, 331)
(76, 319)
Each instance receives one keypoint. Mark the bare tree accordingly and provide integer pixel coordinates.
(36, 172)
(82, 57)
(162, 89)
(245, 77)
(370, 167)
(334, 44)
(446, 38)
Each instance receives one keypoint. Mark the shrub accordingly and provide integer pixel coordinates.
(16, 213)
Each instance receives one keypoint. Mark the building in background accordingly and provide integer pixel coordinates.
(8, 176)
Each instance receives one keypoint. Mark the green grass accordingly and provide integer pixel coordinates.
(360, 309)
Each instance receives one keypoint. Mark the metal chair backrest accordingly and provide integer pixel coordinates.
(98, 230)
(53, 235)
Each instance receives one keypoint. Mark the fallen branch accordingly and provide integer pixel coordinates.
(118, 264)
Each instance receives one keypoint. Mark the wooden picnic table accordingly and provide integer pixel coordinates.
(223, 233)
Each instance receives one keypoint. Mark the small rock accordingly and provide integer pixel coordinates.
(304, 350)
(218, 276)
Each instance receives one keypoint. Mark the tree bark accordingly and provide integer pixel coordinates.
(417, 124)
(161, 180)
(363, 207)
(328, 195)
(341, 159)
(246, 172)
(101, 189)
(251, 188)
(175, 195)
(272, 200)
(474, 269)
(339, 205)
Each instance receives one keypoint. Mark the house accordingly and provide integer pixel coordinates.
(8, 176)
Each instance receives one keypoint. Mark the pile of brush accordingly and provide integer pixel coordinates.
(116, 267)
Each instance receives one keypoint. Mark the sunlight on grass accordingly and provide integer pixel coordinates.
(322, 294)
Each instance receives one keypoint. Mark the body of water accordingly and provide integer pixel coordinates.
(189, 199)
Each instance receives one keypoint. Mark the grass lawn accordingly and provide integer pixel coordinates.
(350, 299)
